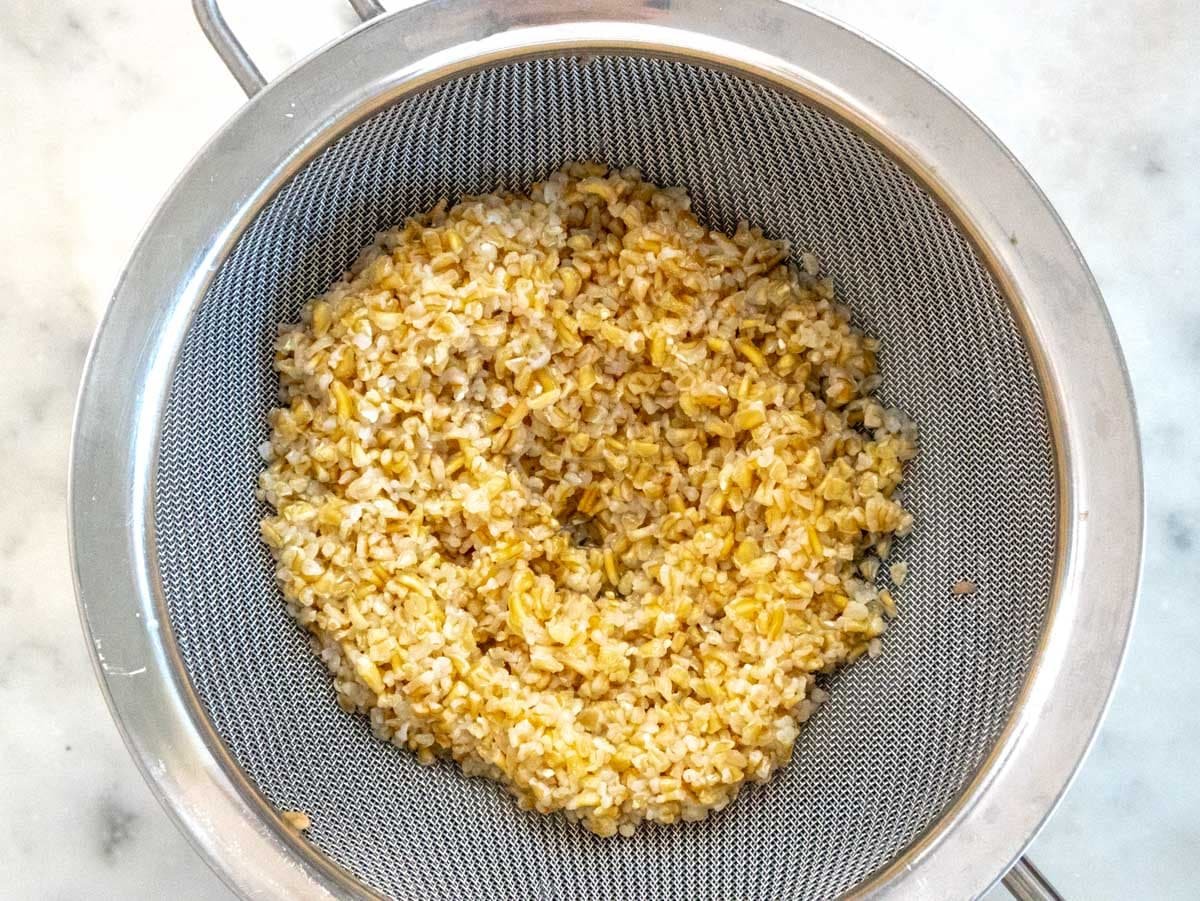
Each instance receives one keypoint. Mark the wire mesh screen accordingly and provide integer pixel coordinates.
(902, 735)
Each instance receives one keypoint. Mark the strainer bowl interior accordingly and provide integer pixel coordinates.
(903, 735)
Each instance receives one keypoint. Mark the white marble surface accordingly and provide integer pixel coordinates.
(102, 102)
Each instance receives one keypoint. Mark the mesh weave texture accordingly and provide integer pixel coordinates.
(902, 736)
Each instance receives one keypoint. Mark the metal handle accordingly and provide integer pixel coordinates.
(1025, 882)
(234, 55)
(367, 9)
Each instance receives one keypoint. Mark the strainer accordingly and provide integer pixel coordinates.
(933, 766)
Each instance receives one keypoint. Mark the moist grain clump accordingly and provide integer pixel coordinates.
(576, 491)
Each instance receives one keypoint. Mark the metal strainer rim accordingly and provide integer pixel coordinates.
(1058, 304)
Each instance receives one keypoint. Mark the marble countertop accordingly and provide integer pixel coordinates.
(104, 102)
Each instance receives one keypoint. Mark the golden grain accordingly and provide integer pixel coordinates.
(549, 468)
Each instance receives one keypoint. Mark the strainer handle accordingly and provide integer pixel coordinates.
(234, 55)
(1025, 882)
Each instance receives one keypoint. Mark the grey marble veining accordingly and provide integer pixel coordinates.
(103, 103)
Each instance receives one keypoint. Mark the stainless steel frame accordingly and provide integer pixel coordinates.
(1054, 296)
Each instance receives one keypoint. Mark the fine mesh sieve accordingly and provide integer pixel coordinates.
(904, 738)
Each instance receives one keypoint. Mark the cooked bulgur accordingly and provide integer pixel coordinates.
(583, 494)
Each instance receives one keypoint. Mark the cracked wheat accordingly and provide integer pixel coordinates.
(582, 494)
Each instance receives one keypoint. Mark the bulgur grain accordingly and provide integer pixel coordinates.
(297, 819)
(576, 491)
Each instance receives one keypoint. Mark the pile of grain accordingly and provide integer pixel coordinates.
(583, 494)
